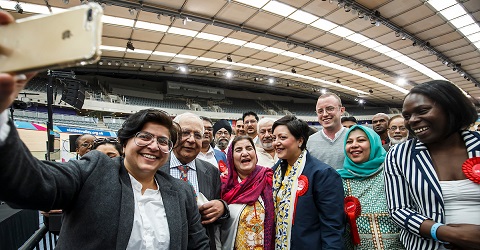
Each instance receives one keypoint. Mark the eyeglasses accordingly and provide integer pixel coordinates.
(219, 133)
(187, 133)
(143, 139)
(329, 110)
(87, 145)
(393, 128)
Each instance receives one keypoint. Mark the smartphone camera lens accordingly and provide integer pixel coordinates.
(89, 15)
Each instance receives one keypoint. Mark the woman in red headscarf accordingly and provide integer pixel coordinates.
(247, 189)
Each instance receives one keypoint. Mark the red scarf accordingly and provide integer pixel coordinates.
(258, 183)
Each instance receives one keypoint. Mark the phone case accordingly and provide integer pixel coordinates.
(69, 38)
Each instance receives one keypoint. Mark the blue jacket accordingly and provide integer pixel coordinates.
(319, 218)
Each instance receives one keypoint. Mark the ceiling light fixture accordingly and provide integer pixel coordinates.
(159, 16)
(271, 80)
(229, 74)
(130, 45)
(132, 11)
(360, 14)
(229, 58)
(294, 71)
(338, 81)
(182, 69)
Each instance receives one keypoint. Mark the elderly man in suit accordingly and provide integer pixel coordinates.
(203, 176)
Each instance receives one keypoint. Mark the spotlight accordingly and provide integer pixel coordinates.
(271, 80)
(163, 68)
(370, 91)
(255, 79)
(141, 65)
(109, 63)
(347, 8)
(215, 73)
(132, 11)
(100, 63)
(414, 43)
(229, 58)
(294, 71)
(361, 101)
(130, 45)
(404, 37)
(397, 34)
(360, 14)
(373, 20)
(117, 63)
(172, 18)
(182, 69)
(338, 81)
(229, 74)
(19, 8)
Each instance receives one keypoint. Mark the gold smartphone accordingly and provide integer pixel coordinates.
(40, 42)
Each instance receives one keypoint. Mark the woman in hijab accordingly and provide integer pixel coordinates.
(365, 202)
(247, 189)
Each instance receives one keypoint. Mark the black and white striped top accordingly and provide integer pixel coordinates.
(413, 189)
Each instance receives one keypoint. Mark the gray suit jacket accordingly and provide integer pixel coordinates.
(96, 196)
(209, 185)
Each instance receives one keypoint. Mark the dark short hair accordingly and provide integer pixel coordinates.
(135, 123)
(297, 127)
(242, 137)
(77, 141)
(204, 118)
(460, 111)
(348, 119)
(108, 140)
(249, 113)
(240, 119)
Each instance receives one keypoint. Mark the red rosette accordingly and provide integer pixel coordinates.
(353, 209)
(222, 166)
(471, 169)
(302, 187)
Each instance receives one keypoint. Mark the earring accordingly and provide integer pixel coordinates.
(299, 145)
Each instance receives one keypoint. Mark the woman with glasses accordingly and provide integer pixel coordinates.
(247, 189)
(120, 203)
(433, 181)
(109, 146)
(370, 227)
(307, 193)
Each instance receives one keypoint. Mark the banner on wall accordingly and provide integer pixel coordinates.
(64, 129)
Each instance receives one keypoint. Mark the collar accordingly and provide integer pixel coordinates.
(209, 152)
(174, 163)
(137, 186)
(339, 132)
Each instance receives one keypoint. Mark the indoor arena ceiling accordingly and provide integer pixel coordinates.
(371, 50)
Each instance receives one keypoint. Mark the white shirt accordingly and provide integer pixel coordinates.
(208, 157)
(4, 128)
(150, 226)
(191, 174)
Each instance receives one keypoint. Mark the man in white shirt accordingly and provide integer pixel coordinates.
(266, 154)
(327, 144)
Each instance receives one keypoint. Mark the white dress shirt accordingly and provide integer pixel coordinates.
(150, 226)
(208, 157)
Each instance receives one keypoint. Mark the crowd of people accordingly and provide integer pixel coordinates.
(410, 182)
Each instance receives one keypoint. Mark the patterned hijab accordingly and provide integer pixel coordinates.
(360, 171)
(258, 183)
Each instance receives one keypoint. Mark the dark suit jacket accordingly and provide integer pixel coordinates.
(319, 216)
(209, 184)
(96, 196)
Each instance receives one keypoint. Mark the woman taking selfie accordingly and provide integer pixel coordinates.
(370, 224)
(307, 193)
(432, 181)
(247, 189)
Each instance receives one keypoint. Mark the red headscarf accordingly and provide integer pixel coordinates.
(258, 183)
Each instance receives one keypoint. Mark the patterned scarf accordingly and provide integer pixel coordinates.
(258, 183)
(284, 193)
(361, 171)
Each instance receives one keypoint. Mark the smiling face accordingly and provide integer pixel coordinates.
(244, 158)
(239, 128)
(286, 145)
(189, 146)
(265, 136)
(144, 161)
(397, 132)
(357, 146)
(329, 113)
(427, 120)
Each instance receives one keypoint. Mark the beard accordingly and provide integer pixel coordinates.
(267, 145)
(222, 144)
(394, 141)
